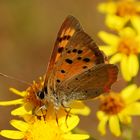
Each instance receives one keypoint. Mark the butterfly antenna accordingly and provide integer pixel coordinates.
(13, 78)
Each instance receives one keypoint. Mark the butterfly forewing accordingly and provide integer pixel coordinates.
(69, 27)
(81, 53)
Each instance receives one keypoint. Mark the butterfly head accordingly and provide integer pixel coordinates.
(42, 94)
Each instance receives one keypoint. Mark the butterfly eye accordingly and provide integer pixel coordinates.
(41, 94)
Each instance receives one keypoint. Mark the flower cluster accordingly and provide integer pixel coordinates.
(39, 124)
(122, 45)
(117, 108)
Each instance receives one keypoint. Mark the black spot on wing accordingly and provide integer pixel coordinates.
(68, 37)
(62, 71)
(76, 78)
(69, 61)
(60, 49)
(74, 50)
(59, 39)
(65, 37)
(84, 67)
(69, 51)
(79, 58)
(80, 51)
(58, 81)
(86, 59)
(99, 56)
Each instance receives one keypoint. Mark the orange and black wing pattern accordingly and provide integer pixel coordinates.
(69, 27)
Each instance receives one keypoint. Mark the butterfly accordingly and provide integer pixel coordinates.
(77, 69)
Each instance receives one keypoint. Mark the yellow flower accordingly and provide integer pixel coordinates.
(120, 12)
(124, 48)
(29, 102)
(117, 108)
(44, 128)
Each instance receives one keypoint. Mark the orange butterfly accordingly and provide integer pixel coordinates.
(77, 69)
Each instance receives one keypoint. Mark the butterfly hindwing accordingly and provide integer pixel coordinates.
(90, 83)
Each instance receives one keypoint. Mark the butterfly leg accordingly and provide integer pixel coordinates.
(41, 109)
(67, 109)
(55, 110)
(44, 115)
(67, 115)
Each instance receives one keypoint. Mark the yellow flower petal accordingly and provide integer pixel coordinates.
(11, 134)
(127, 32)
(125, 119)
(107, 7)
(136, 22)
(114, 125)
(115, 58)
(115, 22)
(131, 95)
(71, 122)
(12, 102)
(124, 68)
(109, 38)
(133, 109)
(100, 115)
(102, 124)
(76, 136)
(20, 125)
(20, 111)
(128, 91)
(17, 92)
(79, 108)
(108, 50)
(137, 39)
(133, 64)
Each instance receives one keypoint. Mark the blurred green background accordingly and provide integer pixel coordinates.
(28, 30)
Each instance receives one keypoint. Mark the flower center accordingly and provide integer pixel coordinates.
(31, 93)
(112, 104)
(128, 46)
(40, 130)
(126, 8)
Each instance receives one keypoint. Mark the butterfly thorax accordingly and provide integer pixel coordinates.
(48, 95)
(53, 98)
